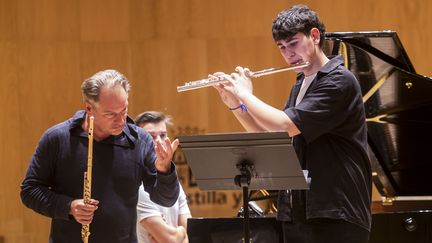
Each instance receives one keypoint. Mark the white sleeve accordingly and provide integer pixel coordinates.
(183, 206)
(145, 207)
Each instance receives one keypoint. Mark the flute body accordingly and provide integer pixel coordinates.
(85, 230)
(213, 81)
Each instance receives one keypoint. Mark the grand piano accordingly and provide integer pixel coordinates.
(398, 104)
(398, 108)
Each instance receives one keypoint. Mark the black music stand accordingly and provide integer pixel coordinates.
(248, 160)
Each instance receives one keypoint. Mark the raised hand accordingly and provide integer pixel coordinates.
(165, 150)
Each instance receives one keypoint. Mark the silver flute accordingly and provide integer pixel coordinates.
(213, 81)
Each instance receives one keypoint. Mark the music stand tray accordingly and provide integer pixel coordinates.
(214, 158)
(230, 161)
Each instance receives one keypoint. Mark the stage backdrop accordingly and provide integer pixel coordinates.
(48, 47)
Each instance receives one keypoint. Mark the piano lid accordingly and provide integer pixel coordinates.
(398, 104)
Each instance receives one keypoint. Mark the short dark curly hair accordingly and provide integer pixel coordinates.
(298, 18)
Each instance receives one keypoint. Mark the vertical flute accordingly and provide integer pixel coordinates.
(85, 230)
(213, 81)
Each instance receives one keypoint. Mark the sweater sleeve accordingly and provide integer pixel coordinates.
(36, 190)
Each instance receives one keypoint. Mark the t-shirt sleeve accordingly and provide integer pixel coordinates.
(323, 108)
(183, 206)
(145, 207)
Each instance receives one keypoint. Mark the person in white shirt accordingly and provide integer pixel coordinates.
(156, 223)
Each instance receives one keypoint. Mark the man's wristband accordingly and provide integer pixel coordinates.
(242, 107)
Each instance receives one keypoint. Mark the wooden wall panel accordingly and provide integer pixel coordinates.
(8, 20)
(11, 136)
(104, 20)
(47, 93)
(235, 19)
(97, 56)
(166, 64)
(142, 19)
(48, 47)
(47, 20)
